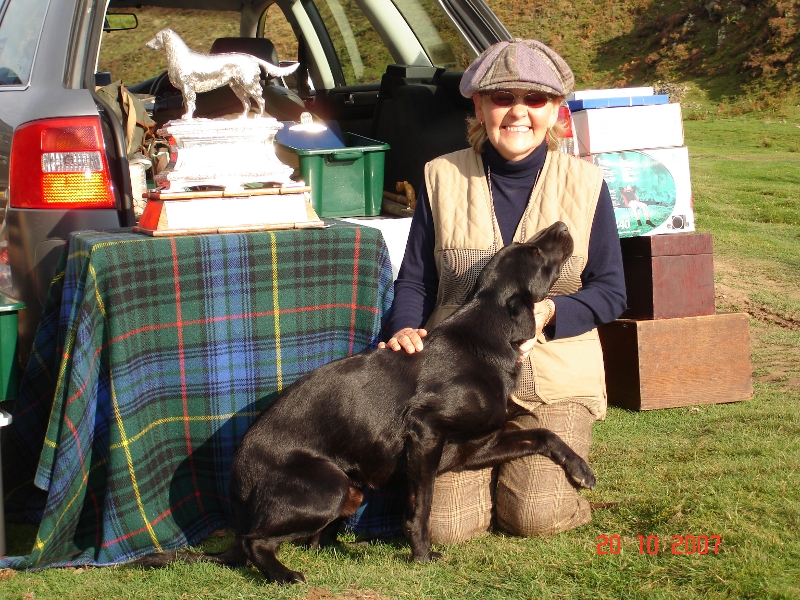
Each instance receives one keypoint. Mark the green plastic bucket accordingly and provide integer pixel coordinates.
(9, 370)
(345, 182)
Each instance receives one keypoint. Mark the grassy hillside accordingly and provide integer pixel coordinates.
(747, 51)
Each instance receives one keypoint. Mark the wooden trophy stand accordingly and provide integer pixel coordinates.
(670, 348)
(189, 213)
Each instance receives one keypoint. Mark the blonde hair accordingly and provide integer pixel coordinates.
(477, 136)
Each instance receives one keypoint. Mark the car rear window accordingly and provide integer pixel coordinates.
(361, 51)
(433, 29)
(125, 56)
(363, 54)
(20, 28)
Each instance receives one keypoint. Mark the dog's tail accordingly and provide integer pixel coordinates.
(275, 70)
(232, 557)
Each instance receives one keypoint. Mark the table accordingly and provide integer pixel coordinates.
(151, 360)
(395, 234)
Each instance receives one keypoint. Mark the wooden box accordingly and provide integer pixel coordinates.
(668, 276)
(668, 363)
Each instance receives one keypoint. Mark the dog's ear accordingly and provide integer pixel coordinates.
(520, 310)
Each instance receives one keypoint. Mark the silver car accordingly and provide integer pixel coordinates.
(385, 69)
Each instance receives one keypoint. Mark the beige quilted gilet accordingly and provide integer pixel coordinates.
(467, 235)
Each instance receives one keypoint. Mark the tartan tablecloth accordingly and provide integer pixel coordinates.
(152, 358)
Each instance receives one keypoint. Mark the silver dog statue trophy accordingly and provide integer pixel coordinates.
(193, 72)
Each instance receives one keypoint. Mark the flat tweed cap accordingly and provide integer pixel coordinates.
(518, 64)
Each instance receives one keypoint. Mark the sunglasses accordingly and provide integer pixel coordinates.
(504, 98)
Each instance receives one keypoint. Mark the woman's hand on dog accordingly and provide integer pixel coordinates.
(543, 313)
(407, 339)
(410, 339)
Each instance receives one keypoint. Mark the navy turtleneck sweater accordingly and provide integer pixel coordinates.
(600, 300)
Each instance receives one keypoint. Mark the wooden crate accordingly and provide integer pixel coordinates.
(668, 363)
(668, 276)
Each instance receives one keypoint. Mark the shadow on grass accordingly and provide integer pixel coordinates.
(398, 548)
(345, 550)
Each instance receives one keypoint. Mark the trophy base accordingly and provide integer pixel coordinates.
(191, 213)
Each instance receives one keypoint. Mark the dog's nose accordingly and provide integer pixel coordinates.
(560, 227)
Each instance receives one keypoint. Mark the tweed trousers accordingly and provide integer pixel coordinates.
(529, 496)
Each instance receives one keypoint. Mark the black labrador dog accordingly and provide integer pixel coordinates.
(355, 422)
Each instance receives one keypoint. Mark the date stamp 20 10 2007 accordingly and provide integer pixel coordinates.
(649, 544)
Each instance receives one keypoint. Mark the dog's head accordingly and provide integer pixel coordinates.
(157, 43)
(520, 275)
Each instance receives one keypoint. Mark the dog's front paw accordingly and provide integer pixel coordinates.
(581, 473)
(285, 576)
(295, 577)
(426, 558)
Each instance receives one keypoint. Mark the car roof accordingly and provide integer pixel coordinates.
(235, 5)
(473, 18)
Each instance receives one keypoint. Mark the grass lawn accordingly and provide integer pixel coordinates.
(730, 470)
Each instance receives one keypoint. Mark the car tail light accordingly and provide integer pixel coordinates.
(568, 143)
(566, 118)
(60, 163)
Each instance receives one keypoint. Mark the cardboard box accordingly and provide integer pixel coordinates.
(669, 276)
(590, 103)
(650, 189)
(677, 362)
(627, 128)
(611, 93)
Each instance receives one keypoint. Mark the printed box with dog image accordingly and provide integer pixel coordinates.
(651, 190)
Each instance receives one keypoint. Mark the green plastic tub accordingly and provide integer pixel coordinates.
(9, 383)
(345, 182)
(9, 371)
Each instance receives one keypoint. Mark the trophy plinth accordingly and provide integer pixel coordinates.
(190, 213)
(222, 153)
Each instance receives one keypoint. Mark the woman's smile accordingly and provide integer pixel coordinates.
(515, 130)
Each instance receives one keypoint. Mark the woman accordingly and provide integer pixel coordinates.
(509, 185)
